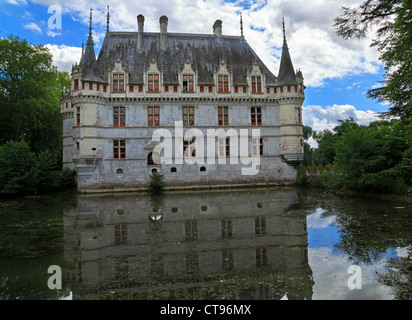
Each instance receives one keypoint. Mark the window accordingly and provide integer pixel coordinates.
(188, 83)
(153, 82)
(119, 116)
(261, 257)
(210, 89)
(223, 83)
(202, 169)
(90, 86)
(98, 87)
(150, 161)
(76, 84)
(202, 89)
(223, 116)
(78, 116)
(226, 229)
(191, 230)
(83, 85)
(256, 116)
(227, 259)
(224, 147)
(189, 148)
(104, 88)
(299, 116)
(166, 88)
(260, 226)
(131, 88)
(118, 82)
(120, 234)
(192, 262)
(244, 89)
(119, 149)
(173, 169)
(153, 116)
(289, 89)
(140, 88)
(188, 116)
(256, 84)
(257, 147)
(119, 171)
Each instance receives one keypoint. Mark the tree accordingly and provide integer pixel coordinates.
(393, 20)
(17, 168)
(30, 90)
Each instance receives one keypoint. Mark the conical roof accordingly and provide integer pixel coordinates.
(88, 63)
(286, 74)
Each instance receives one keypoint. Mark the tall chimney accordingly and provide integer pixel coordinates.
(163, 30)
(217, 28)
(140, 25)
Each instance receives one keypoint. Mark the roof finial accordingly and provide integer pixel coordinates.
(241, 25)
(90, 23)
(284, 32)
(108, 20)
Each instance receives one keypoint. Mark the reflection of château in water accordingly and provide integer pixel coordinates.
(209, 245)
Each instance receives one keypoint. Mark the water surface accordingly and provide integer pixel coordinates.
(265, 244)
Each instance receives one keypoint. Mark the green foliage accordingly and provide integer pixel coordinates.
(30, 90)
(377, 157)
(21, 172)
(17, 168)
(156, 182)
(392, 21)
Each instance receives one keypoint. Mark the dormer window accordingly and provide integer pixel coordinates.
(118, 82)
(256, 84)
(153, 82)
(223, 83)
(188, 83)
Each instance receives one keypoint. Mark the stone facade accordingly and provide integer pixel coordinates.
(142, 82)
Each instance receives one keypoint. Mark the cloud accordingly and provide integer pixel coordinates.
(33, 27)
(64, 56)
(319, 118)
(313, 44)
(17, 2)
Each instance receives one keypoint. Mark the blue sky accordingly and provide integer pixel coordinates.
(337, 72)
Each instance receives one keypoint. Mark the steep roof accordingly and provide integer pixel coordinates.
(204, 52)
(286, 71)
(88, 62)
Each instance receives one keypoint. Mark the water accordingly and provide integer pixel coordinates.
(257, 244)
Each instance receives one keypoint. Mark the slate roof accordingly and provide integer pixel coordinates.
(204, 52)
(286, 74)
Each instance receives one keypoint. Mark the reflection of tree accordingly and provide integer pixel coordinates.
(368, 230)
(398, 276)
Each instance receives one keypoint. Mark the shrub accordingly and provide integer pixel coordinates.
(156, 182)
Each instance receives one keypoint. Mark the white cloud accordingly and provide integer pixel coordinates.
(64, 56)
(313, 44)
(17, 2)
(33, 27)
(319, 118)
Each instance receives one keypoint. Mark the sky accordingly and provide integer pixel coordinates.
(337, 72)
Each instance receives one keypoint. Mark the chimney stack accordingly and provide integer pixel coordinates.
(163, 30)
(217, 28)
(140, 25)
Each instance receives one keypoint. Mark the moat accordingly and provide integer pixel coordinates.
(248, 244)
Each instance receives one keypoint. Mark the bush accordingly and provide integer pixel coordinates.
(156, 182)
(17, 168)
(21, 172)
